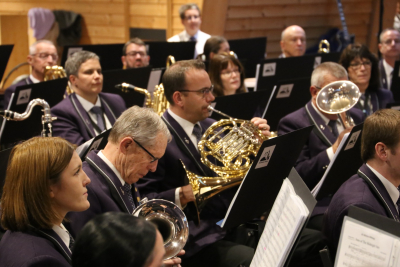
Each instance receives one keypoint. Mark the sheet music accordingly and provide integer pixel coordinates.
(364, 245)
(284, 222)
(154, 79)
(316, 189)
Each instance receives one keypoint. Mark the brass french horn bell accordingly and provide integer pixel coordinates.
(337, 98)
(322, 49)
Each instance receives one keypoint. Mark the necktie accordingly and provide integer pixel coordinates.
(333, 125)
(71, 241)
(99, 116)
(127, 189)
(366, 107)
(197, 132)
(398, 203)
(192, 38)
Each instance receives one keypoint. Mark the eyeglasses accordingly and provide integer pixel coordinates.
(134, 53)
(151, 155)
(203, 91)
(192, 17)
(229, 73)
(390, 41)
(356, 66)
(46, 55)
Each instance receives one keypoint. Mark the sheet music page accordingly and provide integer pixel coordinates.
(364, 245)
(288, 214)
(316, 189)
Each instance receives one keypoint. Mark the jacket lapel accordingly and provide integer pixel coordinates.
(107, 110)
(320, 129)
(50, 235)
(383, 74)
(82, 114)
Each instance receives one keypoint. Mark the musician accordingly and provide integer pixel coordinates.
(375, 186)
(87, 112)
(44, 181)
(293, 42)
(215, 45)
(362, 68)
(389, 46)
(328, 132)
(42, 53)
(191, 20)
(119, 239)
(188, 89)
(134, 54)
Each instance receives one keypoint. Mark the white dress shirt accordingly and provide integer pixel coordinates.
(201, 38)
(33, 79)
(112, 167)
(62, 232)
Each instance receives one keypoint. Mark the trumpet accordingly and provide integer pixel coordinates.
(47, 119)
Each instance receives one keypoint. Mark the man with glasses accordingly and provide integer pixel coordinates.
(188, 89)
(134, 54)
(389, 46)
(191, 20)
(42, 53)
(136, 142)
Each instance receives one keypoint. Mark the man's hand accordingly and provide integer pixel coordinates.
(262, 125)
(339, 139)
(186, 195)
(174, 262)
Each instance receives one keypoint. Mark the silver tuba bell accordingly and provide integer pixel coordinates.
(337, 98)
(170, 220)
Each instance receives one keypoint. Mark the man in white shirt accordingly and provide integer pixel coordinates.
(191, 20)
(389, 46)
(42, 53)
(293, 42)
(87, 112)
(375, 186)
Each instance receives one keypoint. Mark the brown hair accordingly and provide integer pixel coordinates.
(382, 126)
(33, 166)
(217, 64)
(212, 45)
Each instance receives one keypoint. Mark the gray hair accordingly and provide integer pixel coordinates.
(332, 68)
(136, 41)
(75, 61)
(32, 47)
(183, 9)
(385, 31)
(143, 124)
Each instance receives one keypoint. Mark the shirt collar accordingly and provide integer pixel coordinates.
(390, 188)
(112, 167)
(388, 68)
(195, 36)
(87, 105)
(62, 232)
(185, 124)
(33, 79)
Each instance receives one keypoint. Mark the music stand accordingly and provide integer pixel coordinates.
(110, 54)
(5, 52)
(51, 91)
(395, 86)
(138, 77)
(250, 52)
(159, 52)
(97, 143)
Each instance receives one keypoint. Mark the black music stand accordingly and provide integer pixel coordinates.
(159, 52)
(5, 52)
(395, 86)
(97, 143)
(51, 91)
(138, 77)
(273, 70)
(250, 51)
(110, 54)
(288, 96)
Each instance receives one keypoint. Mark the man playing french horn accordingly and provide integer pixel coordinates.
(188, 89)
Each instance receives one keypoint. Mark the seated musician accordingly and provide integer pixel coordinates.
(215, 45)
(136, 142)
(119, 239)
(86, 112)
(42, 53)
(188, 89)
(293, 42)
(44, 181)
(389, 46)
(134, 54)
(375, 186)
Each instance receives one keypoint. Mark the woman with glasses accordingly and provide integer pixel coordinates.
(44, 182)
(227, 74)
(362, 68)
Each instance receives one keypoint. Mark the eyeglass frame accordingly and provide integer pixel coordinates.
(358, 65)
(151, 155)
(390, 41)
(204, 91)
(229, 74)
(141, 53)
(53, 56)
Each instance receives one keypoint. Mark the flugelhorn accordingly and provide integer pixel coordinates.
(337, 98)
(228, 147)
(170, 220)
(158, 103)
(47, 119)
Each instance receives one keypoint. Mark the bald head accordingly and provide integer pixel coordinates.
(293, 41)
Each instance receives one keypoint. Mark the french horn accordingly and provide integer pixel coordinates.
(47, 119)
(228, 147)
(337, 98)
(170, 221)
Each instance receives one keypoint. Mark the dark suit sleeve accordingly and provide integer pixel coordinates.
(66, 127)
(45, 260)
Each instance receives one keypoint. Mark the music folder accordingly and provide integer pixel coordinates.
(96, 143)
(261, 185)
(240, 106)
(51, 91)
(138, 77)
(5, 52)
(346, 162)
(159, 52)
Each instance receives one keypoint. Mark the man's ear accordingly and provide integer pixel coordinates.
(177, 98)
(125, 144)
(72, 79)
(29, 59)
(314, 91)
(381, 151)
